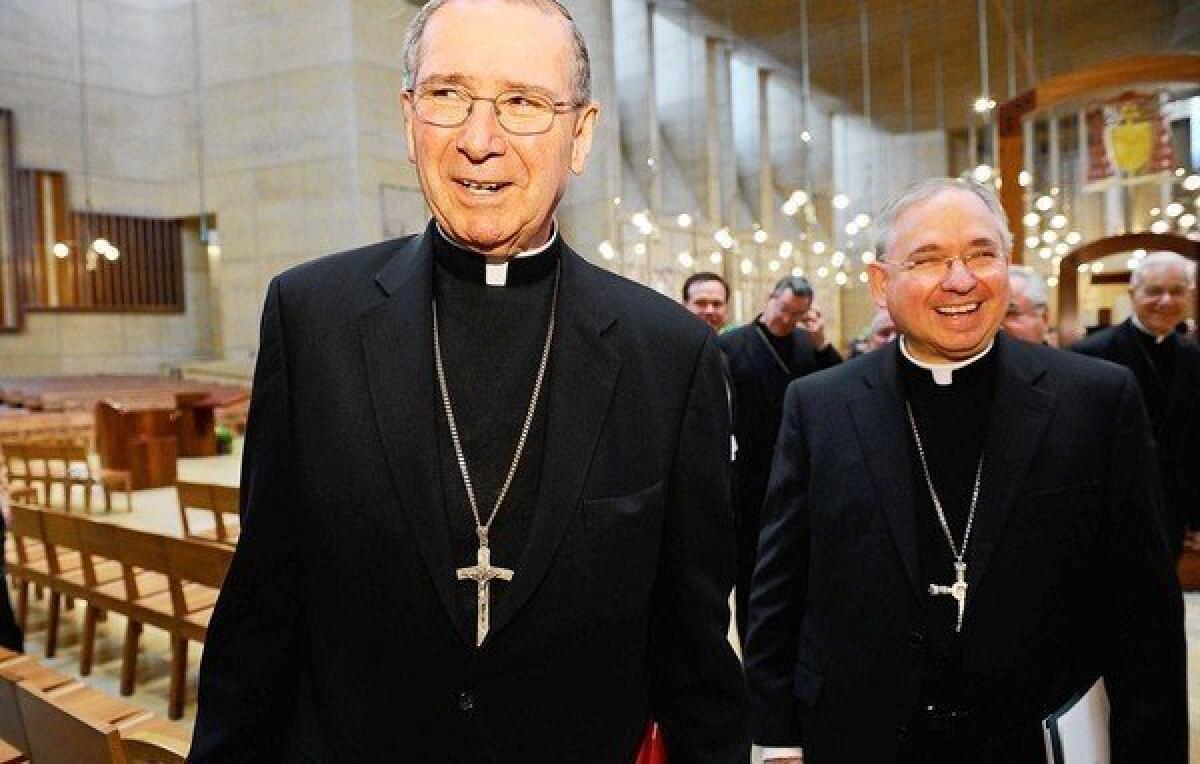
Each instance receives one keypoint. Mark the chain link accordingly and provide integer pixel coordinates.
(482, 528)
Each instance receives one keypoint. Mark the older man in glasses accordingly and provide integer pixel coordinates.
(961, 533)
(1167, 367)
(487, 511)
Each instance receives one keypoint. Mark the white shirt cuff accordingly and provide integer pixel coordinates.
(782, 753)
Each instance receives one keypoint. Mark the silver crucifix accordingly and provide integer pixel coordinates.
(482, 574)
(957, 590)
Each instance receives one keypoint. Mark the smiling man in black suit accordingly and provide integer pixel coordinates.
(486, 505)
(961, 531)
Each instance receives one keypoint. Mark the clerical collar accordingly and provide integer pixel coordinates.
(943, 373)
(523, 268)
(1158, 338)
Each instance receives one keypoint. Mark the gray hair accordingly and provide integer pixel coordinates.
(1165, 260)
(1032, 285)
(923, 190)
(581, 67)
(798, 284)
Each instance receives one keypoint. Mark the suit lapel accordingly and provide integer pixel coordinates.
(583, 372)
(397, 342)
(1020, 415)
(878, 416)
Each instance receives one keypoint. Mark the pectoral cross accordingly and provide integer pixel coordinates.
(482, 574)
(957, 590)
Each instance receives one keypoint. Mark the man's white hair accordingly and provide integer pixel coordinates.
(1165, 260)
(581, 67)
(923, 190)
(1027, 281)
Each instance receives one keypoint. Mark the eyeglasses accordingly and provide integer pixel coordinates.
(520, 112)
(980, 262)
(1155, 292)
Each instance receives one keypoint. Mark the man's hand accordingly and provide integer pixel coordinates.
(788, 760)
(814, 323)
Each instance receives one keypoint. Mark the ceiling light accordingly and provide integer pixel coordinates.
(1044, 202)
(840, 201)
(684, 220)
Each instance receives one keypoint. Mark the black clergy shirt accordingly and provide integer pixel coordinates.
(1156, 386)
(952, 420)
(785, 346)
(492, 339)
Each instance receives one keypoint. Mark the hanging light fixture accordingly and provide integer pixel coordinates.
(99, 248)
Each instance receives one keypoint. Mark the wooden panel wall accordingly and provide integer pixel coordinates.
(146, 278)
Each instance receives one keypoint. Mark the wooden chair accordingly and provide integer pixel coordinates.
(221, 501)
(77, 725)
(16, 462)
(28, 565)
(63, 536)
(88, 476)
(101, 544)
(195, 571)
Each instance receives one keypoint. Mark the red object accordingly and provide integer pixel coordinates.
(652, 750)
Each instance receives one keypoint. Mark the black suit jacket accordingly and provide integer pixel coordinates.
(1068, 571)
(758, 386)
(336, 636)
(1177, 430)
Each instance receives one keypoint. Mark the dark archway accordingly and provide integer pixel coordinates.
(1068, 274)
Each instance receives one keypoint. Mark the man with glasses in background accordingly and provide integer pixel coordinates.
(1167, 368)
(783, 343)
(1028, 304)
(961, 533)
(486, 504)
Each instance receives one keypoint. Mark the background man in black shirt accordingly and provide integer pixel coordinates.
(1167, 368)
(783, 343)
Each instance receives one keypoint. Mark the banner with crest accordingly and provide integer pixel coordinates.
(1129, 141)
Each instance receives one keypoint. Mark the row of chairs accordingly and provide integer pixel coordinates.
(50, 718)
(21, 423)
(151, 579)
(46, 464)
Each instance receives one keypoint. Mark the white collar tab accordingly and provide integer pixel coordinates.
(943, 372)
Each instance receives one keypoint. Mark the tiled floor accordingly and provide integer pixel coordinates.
(157, 510)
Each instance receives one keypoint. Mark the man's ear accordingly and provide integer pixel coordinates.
(877, 281)
(581, 141)
(406, 106)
